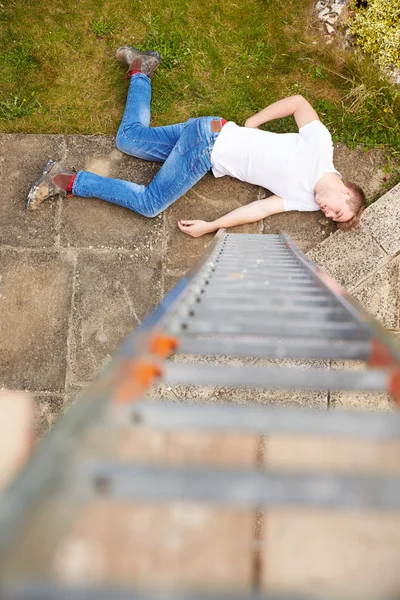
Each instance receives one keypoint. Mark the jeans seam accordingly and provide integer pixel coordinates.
(127, 107)
(144, 141)
(112, 199)
(188, 173)
(196, 143)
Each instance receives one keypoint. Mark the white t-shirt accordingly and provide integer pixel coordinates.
(287, 164)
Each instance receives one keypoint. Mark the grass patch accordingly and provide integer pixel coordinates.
(15, 107)
(221, 57)
(100, 28)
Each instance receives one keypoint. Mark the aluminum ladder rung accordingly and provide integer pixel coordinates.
(267, 348)
(262, 285)
(237, 313)
(293, 329)
(239, 487)
(317, 299)
(240, 274)
(275, 377)
(263, 420)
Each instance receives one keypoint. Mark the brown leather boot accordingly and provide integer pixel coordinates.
(146, 62)
(53, 180)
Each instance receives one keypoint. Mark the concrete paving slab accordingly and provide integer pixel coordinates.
(96, 223)
(50, 408)
(170, 281)
(357, 400)
(113, 293)
(349, 256)
(379, 294)
(210, 199)
(307, 230)
(35, 288)
(383, 219)
(23, 159)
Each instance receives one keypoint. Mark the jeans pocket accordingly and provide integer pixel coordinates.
(190, 137)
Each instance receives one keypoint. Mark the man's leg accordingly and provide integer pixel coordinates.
(186, 164)
(134, 136)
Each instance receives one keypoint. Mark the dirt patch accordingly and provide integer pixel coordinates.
(367, 169)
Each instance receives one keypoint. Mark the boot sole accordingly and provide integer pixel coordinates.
(30, 198)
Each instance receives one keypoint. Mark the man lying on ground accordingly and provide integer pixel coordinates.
(296, 167)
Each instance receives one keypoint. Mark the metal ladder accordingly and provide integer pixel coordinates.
(249, 296)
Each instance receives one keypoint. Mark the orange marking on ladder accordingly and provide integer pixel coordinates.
(380, 355)
(394, 385)
(136, 378)
(163, 345)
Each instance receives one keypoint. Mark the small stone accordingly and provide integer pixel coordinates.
(337, 8)
(323, 12)
(332, 19)
(330, 30)
(320, 5)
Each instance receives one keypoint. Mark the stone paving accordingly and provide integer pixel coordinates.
(78, 275)
(366, 263)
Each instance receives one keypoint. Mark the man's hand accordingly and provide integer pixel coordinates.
(249, 213)
(195, 228)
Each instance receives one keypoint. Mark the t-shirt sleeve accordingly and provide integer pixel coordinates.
(316, 133)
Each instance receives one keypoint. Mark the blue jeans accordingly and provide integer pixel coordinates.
(185, 149)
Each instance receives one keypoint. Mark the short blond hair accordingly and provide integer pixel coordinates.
(357, 202)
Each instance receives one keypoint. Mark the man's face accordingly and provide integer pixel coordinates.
(335, 206)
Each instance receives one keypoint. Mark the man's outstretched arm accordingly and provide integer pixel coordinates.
(255, 211)
(297, 106)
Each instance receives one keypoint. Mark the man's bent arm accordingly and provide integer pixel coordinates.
(297, 106)
(250, 213)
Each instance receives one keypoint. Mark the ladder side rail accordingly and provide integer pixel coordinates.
(156, 320)
(352, 307)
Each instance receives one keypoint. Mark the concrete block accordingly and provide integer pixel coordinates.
(35, 304)
(349, 553)
(379, 294)
(23, 157)
(162, 546)
(93, 222)
(349, 256)
(113, 293)
(382, 218)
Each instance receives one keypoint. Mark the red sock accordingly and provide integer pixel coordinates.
(70, 184)
(130, 73)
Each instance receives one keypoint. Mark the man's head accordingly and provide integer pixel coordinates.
(356, 203)
(341, 201)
